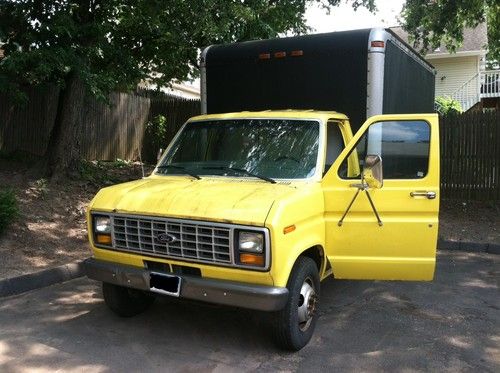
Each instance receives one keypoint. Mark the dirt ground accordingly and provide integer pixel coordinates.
(51, 228)
(469, 221)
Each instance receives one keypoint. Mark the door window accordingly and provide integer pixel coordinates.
(402, 145)
(334, 143)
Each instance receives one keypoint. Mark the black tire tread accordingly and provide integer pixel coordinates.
(282, 333)
(126, 302)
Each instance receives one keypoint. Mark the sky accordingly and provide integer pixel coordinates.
(344, 17)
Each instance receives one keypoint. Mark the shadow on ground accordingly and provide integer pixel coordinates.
(451, 324)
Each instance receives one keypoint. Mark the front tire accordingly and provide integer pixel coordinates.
(126, 302)
(295, 323)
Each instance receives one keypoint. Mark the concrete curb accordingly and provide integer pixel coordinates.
(490, 248)
(20, 284)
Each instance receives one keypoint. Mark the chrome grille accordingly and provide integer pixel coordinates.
(194, 241)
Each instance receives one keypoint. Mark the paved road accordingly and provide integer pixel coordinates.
(451, 324)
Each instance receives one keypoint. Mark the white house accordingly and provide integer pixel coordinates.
(187, 90)
(462, 75)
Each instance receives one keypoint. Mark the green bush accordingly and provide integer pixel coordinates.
(8, 208)
(447, 105)
(154, 139)
(97, 172)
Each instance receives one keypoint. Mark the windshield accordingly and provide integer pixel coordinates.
(272, 148)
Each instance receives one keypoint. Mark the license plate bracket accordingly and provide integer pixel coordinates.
(165, 284)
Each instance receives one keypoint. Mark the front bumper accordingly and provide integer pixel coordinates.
(257, 297)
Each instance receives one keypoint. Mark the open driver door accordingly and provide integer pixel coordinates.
(382, 200)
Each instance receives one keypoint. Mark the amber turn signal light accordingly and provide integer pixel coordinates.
(252, 259)
(104, 239)
(289, 229)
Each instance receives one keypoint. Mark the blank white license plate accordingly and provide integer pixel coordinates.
(165, 284)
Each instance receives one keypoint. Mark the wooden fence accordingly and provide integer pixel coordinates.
(176, 111)
(114, 130)
(26, 128)
(470, 143)
(110, 130)
(470, 156)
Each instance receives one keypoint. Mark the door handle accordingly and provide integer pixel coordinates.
(429, 195)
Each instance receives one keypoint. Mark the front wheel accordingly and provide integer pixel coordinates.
(295, 323)
(126, 302)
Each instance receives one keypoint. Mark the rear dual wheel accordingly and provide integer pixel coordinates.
(295, 323)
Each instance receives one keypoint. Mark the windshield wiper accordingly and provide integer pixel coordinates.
(241, 170)
(163, 166)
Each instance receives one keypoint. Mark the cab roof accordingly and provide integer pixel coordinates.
(289, 113)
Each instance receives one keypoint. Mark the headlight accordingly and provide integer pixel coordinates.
(252, 242)
(251, 249)
(102, 230)
(102, 224)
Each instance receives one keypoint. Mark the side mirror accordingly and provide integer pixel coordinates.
(372, 171)
(158, 155)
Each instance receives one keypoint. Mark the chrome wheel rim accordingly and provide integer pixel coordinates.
(307, 304)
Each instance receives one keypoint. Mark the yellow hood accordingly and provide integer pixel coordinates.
(240, 201)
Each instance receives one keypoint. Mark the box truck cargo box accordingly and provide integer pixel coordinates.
(360, 73)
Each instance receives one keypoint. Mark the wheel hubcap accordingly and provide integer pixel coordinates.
(307, 304)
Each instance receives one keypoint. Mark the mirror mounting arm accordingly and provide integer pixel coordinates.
(373, 208)
(361, 187)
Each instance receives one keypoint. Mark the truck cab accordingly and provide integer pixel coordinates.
(255, 209)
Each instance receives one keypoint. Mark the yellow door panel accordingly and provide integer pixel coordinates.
(403, 247)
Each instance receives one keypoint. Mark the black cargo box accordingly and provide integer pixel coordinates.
(359, 73)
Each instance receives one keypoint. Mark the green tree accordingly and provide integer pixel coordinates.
(442, 21)
(447, 105)
(114, 44)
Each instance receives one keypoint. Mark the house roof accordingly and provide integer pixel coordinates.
(474, 43)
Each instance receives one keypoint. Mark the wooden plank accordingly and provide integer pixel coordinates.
(484, 138)
(495, 124)
(469, 172)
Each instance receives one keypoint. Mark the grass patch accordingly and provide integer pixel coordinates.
(103, 173)
(95, 173)
(9, 210)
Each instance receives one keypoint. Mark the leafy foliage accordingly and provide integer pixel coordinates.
(97, 173)
(447, 105)
(8, 208)
(443, 21)
(42, 187)
(154, 138)
(116, 43)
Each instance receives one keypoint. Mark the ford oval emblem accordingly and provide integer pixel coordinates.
(166, 238)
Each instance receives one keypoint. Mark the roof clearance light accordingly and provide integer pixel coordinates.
(264, 56)
(377, 44)
(280, 55)
(296, 53)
